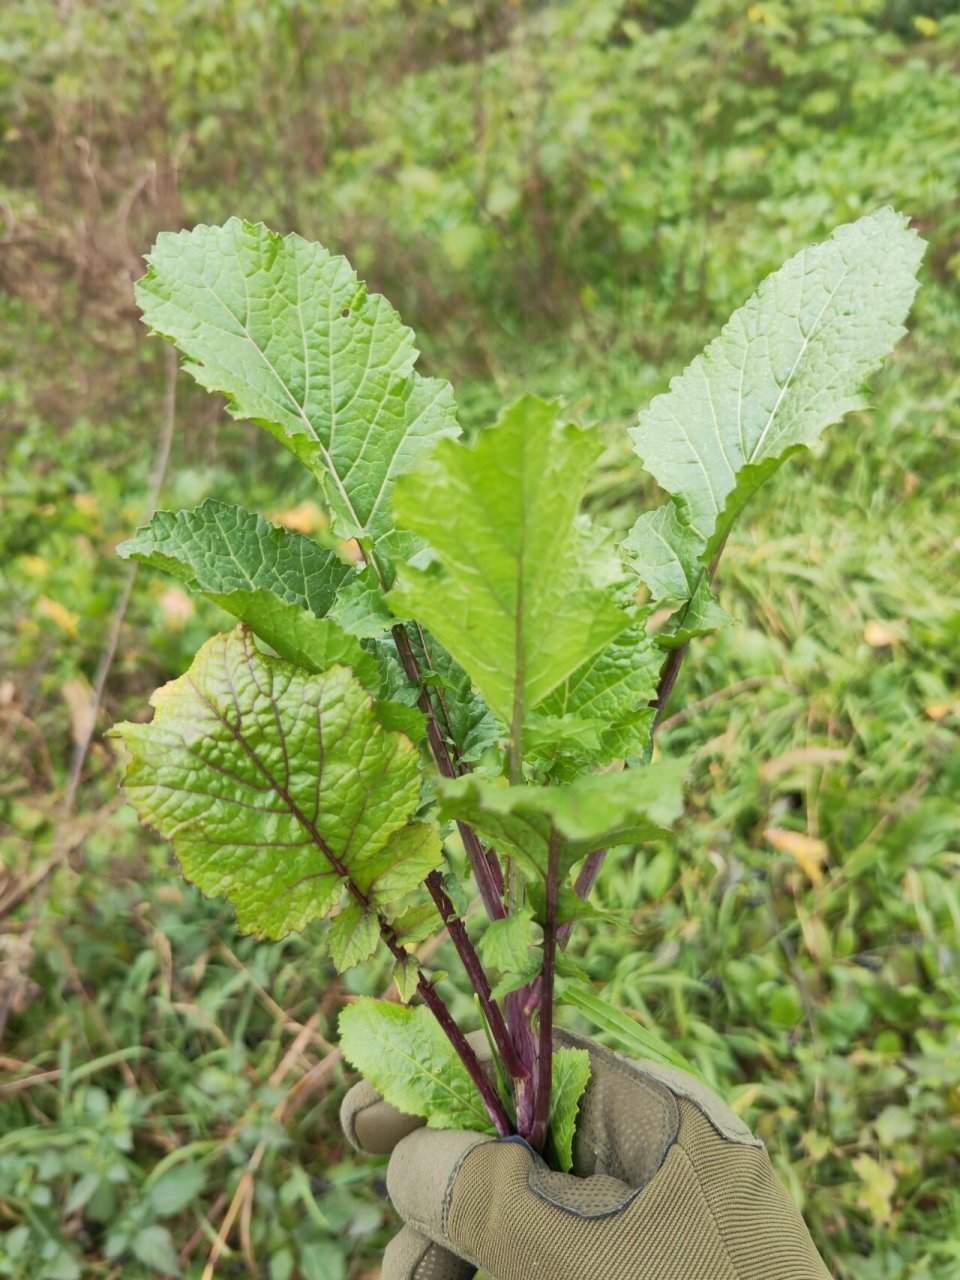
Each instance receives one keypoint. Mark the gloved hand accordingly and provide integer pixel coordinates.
(670, 1185)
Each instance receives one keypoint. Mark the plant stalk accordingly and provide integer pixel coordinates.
(484, 873)
(471, 1062)
(541, 1114)
(477, 975)
(590, 870)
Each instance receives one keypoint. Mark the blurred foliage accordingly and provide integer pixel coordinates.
(566, 198)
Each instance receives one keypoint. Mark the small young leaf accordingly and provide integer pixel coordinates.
(360, 608)
(262, 774)
(511, 595)
(406, 976)
(399, 718)
(296, 343)
(507, 946)
(701, 616)
(353, 936)
(410, 1062)
(407, 858)
(413, 921)
(571, 1075)
(664, 553)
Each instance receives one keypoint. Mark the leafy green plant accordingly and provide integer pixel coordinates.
(463, 681)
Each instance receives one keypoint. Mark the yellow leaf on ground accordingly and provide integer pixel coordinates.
(803, 756)
(36, 566)
(59, 614)
(177, 608)
(78, 695)
(86, 504)
(306, 517)
(809, 853)
(941, 710)
(879, 635)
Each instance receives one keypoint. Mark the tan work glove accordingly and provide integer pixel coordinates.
(670, 1185)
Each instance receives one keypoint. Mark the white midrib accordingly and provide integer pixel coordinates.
(808, 338)
(301, 412)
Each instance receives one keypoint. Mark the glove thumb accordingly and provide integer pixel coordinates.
(412, 1256)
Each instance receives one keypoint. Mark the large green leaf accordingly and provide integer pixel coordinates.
(265, 777)
(789, 363)
(280, 584)
(296, 343)
(590, 813)
(410, 1062)
(512, 593)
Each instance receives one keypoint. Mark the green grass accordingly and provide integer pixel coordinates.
(158, 1070)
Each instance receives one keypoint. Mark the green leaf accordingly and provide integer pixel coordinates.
(664, 553)
(789, 363)
(571, 1075)
(401, 718)
(464, 713)
(633, 1038)
(411, 853)
(511, 593)
(506, 946)
(153, 1246)
(360, 608)
(612, 692)
(176, 1188)
(702, 616)
(262, 775)
(280, 584)
(592, 812)
(406, 975)
(353, 936)
(414, 921)
(410, 1062)
(296, 343)
(219, 548)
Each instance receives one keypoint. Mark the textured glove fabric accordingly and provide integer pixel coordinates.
(669, 1184)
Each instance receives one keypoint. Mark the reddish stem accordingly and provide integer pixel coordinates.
(541, 1114)
(478, 977)
(484, 874)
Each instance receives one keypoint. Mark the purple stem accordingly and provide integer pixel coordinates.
(484, 874)
(491, 1100)
(519, 1005)
(471, 1062)
(477, 975)
(541, 1114)
(486, 869)
(668, 678)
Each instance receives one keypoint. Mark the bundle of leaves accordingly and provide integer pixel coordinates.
(456, 689)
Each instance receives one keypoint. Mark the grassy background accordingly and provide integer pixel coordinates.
(567, 198)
